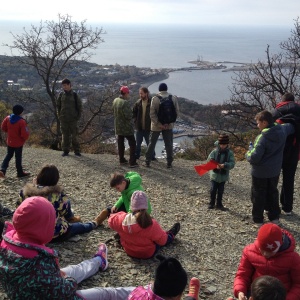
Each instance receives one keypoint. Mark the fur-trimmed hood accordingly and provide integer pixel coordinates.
(30, 190)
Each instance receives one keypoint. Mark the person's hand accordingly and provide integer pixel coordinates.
(62, 273)
(114, 209)
(242, 296)
(221, 166)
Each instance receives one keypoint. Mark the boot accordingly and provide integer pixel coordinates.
(101, 217)
(174, 229)
(74, 219)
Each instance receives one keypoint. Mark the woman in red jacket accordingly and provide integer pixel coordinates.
(272, 253)
(140, 235)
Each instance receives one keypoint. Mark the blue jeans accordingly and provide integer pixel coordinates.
(18, 156)
(139, 136)
(79, 228)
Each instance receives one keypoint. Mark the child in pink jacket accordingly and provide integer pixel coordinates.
(140, 235)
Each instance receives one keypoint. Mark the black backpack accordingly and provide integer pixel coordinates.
(167, 111)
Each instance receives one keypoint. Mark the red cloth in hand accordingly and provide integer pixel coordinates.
(202, 169)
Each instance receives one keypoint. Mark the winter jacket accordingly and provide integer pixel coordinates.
(266, 155)
(57, 197)
(284, 265)
(123, 117)
(143, 293)
(225, 157)
(138, 115)
(29, 269)
(135, 184)
(17, 131)
(155, 102)
(137, 242)
(69, 107)
(284, 111)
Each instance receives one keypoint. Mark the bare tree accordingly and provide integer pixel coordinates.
(52, 49)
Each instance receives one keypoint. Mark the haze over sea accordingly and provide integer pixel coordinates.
(173, 46)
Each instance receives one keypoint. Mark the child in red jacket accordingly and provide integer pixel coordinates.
(17, 134)
(140, 235)
(272, 253)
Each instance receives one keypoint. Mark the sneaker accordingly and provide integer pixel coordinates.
(210, 206)
(2, 174)
(6, 212)
(194, 288)
(276, 221)
(123, 161)
(134, 165)
(288, 213)
(102, 253)
(169, 165)
(174, 229)
(257, 225)
(24, 174)
(74, 219)
(221, 207)
(65, 153)
(147, 164)
(101, 217)
(77, 153)
(117, 237)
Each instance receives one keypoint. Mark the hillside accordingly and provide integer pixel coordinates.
(209, 244)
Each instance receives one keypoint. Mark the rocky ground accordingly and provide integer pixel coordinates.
(209, 244)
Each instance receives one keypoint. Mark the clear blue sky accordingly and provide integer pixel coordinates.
(208, 12)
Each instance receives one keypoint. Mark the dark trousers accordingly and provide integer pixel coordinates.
(287, 188)
(121, 148)
(216, 191)
(264, 193)
(139, 136)
(18, 156)
(168, 140)
(69, 132)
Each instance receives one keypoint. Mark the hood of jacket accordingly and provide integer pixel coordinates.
(34, 221)
(14, 118)
(38, 190)
(130, 224)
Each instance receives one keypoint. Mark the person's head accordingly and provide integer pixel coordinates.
(144, 93)
(48, 176)
(139, 206)
(18, 109)
(66, 84)
(264, 119)
(287, 97)
(118, 181)
(223, 141)
(124, 90)
(170, 278)
(34, 220)
(267, 288)
(269, 239)
(163, 87)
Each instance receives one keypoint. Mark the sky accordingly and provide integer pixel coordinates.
(203, 12)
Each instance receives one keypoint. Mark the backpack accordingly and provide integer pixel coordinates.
(167, 111)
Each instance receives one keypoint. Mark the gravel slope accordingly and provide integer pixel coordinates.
(209, 244)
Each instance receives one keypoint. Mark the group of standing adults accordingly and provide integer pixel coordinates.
(144, 119)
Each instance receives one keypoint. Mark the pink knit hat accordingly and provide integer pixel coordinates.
(270, 237)
(138, 201)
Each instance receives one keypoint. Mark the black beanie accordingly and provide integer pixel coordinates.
(223, 139)
(170, 277)
(18, 109)
(163, 87)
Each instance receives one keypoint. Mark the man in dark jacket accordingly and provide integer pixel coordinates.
(142, 121)
(288, 111)
(69, 108)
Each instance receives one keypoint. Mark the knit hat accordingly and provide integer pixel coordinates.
(170, 278)
(138, 201)
(223, 139)
(124, 89)
(163, 87)
(18, 109)
(269, 237)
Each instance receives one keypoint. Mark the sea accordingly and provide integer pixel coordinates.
(174, 46)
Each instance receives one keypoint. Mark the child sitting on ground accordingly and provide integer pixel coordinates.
(29, 269)
(140, 235)
(225, 158)
(46, 185)
(272, 253)
(126, 185)
(169, 283)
